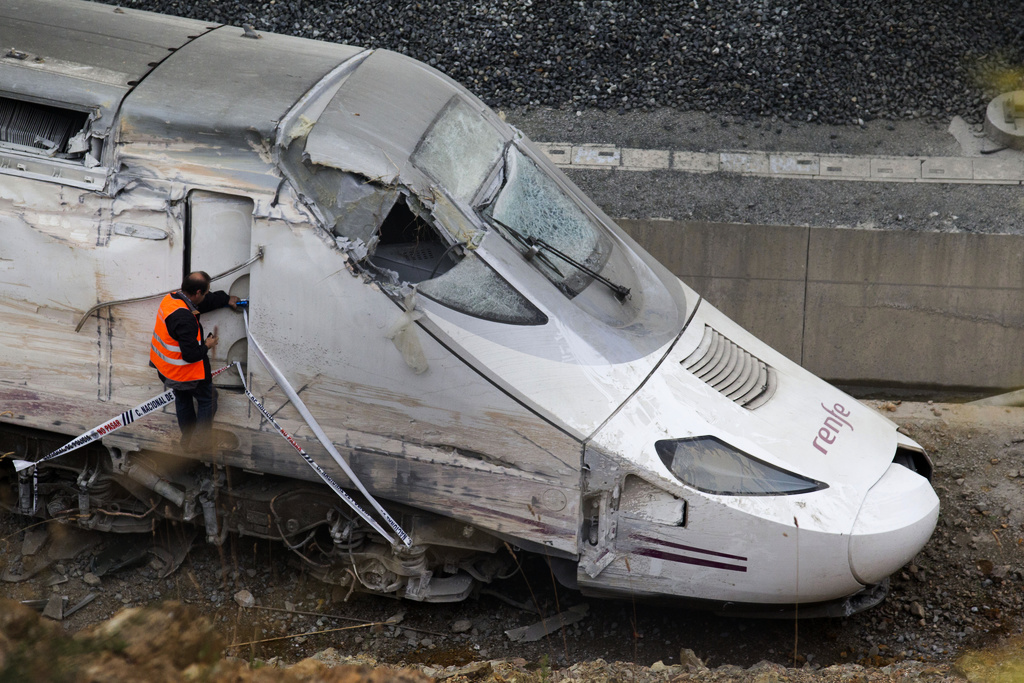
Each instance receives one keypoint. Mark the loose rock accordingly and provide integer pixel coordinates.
(245, 599)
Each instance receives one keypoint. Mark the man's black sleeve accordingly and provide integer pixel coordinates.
(184, 328)
(213, 301)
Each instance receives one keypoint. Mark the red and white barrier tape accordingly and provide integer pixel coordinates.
(316, 468)
(111, 425)
(322, 437)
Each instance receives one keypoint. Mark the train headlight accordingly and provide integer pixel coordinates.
(709, 464)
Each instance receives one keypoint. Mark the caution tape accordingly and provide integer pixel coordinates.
(320, 435)
(313, 464)
(111, 425)
(157, 402)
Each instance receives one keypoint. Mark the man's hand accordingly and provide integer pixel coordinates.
(233, 302)
(211, 340)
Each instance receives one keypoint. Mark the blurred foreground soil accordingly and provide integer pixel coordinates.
(174, 642)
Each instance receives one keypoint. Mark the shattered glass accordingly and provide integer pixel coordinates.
(459, 150)
(534, 205)
(473, 288)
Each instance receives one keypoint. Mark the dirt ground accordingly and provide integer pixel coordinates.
(962, 593)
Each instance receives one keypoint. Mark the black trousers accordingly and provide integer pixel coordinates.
(195, 409)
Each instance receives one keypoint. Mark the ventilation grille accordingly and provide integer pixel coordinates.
(729, 369)
(37, 126)
(422, 251)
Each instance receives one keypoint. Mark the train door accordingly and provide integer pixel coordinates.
(217, 239)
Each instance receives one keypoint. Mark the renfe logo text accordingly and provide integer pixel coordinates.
(835, 421)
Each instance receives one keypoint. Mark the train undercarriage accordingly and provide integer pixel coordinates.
(104, 489)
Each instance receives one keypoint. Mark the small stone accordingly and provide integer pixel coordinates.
(91, 579)
(690, 661)
(245, 599)
(917, 609)
(462, 626)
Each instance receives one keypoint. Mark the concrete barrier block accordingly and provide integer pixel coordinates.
(928, 259)
(560, 154)
(596, 156)
(1000, 170)
(695, 248)
(793, 164)
(914, 308)
(941, 309)
(947, 168)
(695, 162)
(645, 159)
(904, 334)
(844, 167)
(902, 168)
(744, 162)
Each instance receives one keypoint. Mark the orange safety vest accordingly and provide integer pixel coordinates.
(164, 352)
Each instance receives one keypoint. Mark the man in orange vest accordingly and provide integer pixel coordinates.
(181, 356)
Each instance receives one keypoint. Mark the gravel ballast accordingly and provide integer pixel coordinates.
(829, 61)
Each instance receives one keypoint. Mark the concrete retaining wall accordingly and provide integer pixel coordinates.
(923, 309)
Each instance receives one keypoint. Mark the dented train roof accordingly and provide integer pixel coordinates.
(180, 92)
(224, 84)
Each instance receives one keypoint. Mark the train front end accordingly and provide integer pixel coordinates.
(744, 482)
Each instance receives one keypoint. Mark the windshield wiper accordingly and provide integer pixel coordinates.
(531, 250)
(534, 245)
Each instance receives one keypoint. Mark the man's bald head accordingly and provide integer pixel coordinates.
(196, 283)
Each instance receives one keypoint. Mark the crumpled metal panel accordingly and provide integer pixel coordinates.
(211, 110)
(373, 124)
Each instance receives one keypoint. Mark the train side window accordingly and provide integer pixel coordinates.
(460, 149)
(474, 288)
(404, 243)
(410, 245)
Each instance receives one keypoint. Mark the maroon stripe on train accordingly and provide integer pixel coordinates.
(672, 557)
(690, 548)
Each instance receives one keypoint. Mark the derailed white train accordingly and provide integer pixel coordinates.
(493, 357)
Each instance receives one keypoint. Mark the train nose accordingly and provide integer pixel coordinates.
(895, 521)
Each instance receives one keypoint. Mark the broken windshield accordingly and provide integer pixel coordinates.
(473, 288)
(459, 150)
(532, 204)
